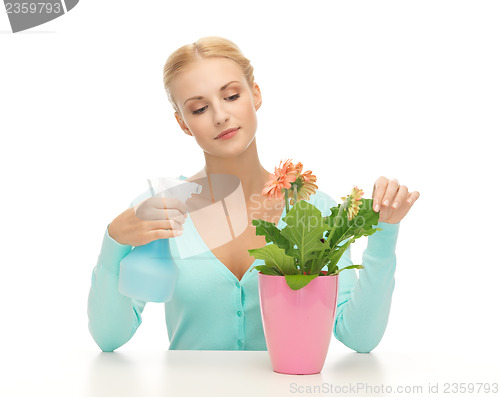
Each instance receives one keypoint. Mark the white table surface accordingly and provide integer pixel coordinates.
(239, 373)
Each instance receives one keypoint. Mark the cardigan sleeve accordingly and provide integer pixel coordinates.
(113, 317)
(364, 303)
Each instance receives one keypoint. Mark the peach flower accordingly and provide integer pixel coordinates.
(286, 176)
(353, 202)
(305, 184)
(281, 179)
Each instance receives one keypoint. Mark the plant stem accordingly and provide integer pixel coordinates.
(302, 266)
(319, 260)
(286, 201)
(337, 217)
(339, 214)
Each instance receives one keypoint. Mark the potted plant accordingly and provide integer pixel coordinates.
(297, 298)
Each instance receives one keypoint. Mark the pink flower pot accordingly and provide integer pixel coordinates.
(298, 325)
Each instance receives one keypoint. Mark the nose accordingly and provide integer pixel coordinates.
(220, 114)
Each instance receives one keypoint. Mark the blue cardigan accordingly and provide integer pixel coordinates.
(212, 310)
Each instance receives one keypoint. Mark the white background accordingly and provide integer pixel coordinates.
(353, 90)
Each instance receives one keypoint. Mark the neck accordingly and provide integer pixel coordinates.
(246, 167)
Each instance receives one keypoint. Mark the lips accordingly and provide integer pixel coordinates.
(226, 132)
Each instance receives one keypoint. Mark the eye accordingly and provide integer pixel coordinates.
(199, 111)
(231, 98)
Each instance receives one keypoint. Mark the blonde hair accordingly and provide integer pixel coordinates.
(211, 46)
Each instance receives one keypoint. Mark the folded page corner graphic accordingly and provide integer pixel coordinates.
(25, 15)
(70, 4)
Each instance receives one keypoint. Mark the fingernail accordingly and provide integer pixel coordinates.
(395, 205)
(386, 203)
(377, 207)
(177, 232)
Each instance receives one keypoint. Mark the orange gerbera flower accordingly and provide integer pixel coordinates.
(353, 202)
(281, 179)
(305, 184)
(298, 168)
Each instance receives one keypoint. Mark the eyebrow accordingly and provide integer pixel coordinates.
(221, 89)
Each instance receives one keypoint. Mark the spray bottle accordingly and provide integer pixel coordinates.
(148, 273)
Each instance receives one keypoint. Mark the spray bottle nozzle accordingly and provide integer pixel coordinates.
(173, 188)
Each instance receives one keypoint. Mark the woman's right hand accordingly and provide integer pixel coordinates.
(149, 220)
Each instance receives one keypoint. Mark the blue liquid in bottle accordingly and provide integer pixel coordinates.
(148, 273)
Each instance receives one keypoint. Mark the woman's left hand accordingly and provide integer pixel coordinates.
(392, 200)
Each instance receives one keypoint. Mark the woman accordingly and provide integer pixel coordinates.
(216, 305)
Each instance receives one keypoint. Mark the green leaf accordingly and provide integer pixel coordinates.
(349, 267)
(275, 257)
(305, 227)
(335, 255)
(299, 281)
(271, 271)
(361, 225)
(271, 233)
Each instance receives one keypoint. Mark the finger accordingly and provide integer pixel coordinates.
(378, 192)
(148, 213)
(165, 225)
(400, 197)
(166, 202)
(162, 234)
(406, 205)
(413, 197)
(168, 214)
(170, 203)
(390, 193)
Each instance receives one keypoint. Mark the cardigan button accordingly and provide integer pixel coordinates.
(239, 313)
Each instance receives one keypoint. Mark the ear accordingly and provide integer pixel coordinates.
(182, 124)
(257, 96)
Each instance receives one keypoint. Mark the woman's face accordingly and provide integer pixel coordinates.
(213, 96)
